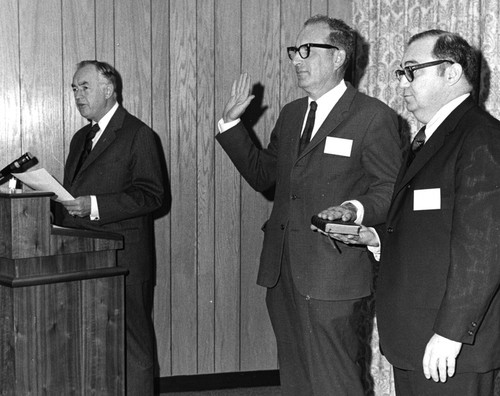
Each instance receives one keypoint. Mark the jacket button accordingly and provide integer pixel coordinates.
(294, 197)
(470, 332)
(390, 230)
(282, 226)
(473, 324)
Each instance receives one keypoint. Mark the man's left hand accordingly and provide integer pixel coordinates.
(79, 207)
(345, 212)
(440, 358)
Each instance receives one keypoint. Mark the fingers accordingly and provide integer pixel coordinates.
(441, 373)
(239, 100)
(451, 366)
(347, 216)
(241, 87)
(243, 84)
(332, 213)
(438, 366)
(426, 363)
(440, 369)
(430, 365)
(346, 238)
(338, 212)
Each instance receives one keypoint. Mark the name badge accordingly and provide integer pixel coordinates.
(338, 146)
(427, 199)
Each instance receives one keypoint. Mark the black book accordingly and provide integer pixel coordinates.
(335, 226)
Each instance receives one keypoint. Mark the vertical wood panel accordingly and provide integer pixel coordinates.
(7, 342)
(160, 124)
(78, 44)
(206, 185)
(41, 82)
(133, 55)
(293, 16)
(178, 60)
(10, 110)
(105, 22)
(260, 40)
(184, 186)
(227, 193)
(319, 7)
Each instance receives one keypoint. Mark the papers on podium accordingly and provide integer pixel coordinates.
(41, 180)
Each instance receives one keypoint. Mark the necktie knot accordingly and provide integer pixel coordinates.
(419, 140)
(92, 131)
(90, 136)
(416, 145)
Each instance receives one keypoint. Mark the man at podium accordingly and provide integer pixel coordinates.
(114, 171)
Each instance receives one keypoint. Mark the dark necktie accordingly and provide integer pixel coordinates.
(88, 146)
(306, 135)
(417, 144)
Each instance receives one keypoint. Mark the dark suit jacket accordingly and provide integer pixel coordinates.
(314, 181)
(440, 268)
(123, 170)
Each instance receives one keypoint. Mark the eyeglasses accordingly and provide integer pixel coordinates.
(408, 70)
(305, 49)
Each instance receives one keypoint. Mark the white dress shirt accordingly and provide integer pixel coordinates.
(103, 123)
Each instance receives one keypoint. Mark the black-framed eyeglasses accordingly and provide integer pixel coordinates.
(305, 49)
(407, 71)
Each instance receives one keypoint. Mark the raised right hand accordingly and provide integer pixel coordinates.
(239, 100)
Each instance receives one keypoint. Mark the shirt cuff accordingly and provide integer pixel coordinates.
(375, 250)
(94, 210)
(360, 214)
(224, 126)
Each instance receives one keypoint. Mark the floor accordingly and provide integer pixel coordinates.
(254, 383)
(258, 391)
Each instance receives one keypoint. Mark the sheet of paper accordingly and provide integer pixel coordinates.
(41, 180)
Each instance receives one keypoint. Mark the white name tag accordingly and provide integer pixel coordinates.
(428, 199)
(338, 146)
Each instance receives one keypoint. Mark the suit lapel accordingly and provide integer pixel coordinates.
(333, 120)
(107, 137)
(295, 121)
(432, 146)
(79, 144)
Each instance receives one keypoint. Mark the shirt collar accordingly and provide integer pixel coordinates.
(104, 121)
(442, 113)
(330, 98)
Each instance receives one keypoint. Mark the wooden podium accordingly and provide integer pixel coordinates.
(61, 304)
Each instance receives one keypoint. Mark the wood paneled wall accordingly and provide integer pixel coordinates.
(178, 59)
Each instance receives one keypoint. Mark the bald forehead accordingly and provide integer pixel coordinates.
(419, 50)
(88, 74)
(317, 33)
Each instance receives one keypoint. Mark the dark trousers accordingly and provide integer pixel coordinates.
(140, 339)
(317, 342)
(414, 383)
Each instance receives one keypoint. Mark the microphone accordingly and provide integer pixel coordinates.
(19, 165)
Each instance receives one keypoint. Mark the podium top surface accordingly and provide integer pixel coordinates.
(27, 194)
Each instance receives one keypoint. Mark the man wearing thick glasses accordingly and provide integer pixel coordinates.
(334, 148)
(438, 297)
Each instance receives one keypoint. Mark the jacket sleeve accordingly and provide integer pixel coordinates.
(144, 191)
(381, 161)
(257, 166)
(474, 273)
